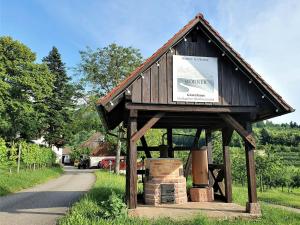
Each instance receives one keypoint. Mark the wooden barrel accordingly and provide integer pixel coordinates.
(200, 167)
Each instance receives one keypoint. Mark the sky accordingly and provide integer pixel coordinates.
(266, 33)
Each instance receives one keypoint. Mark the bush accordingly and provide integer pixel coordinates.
(113, 207)
(32, 155)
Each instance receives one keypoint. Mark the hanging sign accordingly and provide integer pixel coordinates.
(195, 79)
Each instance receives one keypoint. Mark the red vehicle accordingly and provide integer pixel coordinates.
(105, 163)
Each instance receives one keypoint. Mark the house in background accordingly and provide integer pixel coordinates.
(66, 157)
(100, 149)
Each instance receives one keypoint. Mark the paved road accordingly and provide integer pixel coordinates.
(43, 204)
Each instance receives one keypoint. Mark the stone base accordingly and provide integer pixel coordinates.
(202, 194)
(253, 208)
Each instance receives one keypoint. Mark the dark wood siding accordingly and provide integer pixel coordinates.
(157, 85)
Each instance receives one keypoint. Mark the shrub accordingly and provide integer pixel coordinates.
(113, 207)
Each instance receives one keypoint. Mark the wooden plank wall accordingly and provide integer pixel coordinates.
(157, 85)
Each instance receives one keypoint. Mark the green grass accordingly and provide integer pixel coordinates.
(85, 212)
(275, 196)
(13, 182)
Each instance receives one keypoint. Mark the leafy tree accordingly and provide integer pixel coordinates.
(104, 68)
(85, 119)
(24, 86)
(60, 102)
(264, 136)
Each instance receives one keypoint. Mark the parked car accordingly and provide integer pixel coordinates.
(84, 162)
(105, 163)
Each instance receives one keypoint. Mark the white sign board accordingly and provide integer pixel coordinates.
(195, 79)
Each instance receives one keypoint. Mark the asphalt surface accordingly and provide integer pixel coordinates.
(45, 203)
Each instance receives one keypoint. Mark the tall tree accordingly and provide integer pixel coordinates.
(104, 68)
(24, 85)
(60, 102)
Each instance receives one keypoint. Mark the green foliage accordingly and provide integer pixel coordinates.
(78, 151)
(10, 183)
(24, 86)
(60, 102)
(113, 207)
(35, 155)
(13, 156)
(85, 118)
(104, 68)
(3, 153)
(88, 209)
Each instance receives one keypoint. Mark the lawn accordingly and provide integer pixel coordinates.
(88, 209)
(275, 196)
(12, 182)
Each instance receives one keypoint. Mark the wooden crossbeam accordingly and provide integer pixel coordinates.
(145, 147)
(191, 108)
(141, 132)
(157, 148)
(188, 164)
(233, 123)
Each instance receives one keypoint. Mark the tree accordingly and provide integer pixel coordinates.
(60, 102)
(85, 118)
(24, 86)
(104, 68)
(265, 137)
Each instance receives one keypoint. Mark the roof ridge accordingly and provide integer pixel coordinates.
(198, 18)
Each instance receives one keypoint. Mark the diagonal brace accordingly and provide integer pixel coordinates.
(233, 123)
(136, 136)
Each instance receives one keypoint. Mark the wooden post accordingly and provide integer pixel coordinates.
(170, 143)
(226, 137)
(252, 204)
(131, 169)
(19, 157)
(209, 153)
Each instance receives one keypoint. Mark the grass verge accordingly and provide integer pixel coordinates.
(275, 196)
(10, 183)
(87, 210)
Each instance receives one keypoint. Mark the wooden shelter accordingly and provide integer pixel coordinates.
(148, 99)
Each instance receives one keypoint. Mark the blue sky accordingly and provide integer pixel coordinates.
(266, 33)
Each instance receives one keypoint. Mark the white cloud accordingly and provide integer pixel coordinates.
(268, 36)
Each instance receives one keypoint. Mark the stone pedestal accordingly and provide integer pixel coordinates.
(164, 182)
(202, 194)
(253, 208)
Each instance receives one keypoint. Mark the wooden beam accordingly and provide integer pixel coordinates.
(250, 165)
(188, 164)
(157, 149)
(226, 137)
(131, 163)
(239, 128)
(192, 108)
(208, 140)
(170, 143)
(145, 147)
(136, 136)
